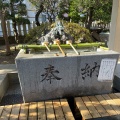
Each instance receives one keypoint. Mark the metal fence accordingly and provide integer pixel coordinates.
(95, 25)
(23, 29)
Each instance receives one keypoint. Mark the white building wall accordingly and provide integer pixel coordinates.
(31, 10)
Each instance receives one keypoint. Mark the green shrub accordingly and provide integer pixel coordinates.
(35, 33)
(78, 32)
(74, 29)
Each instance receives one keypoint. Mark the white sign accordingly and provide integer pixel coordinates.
(107, 68)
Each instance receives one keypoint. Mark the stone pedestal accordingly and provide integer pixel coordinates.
(45, 76)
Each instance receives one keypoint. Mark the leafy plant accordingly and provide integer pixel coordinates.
(35, 33)
(73, 29)
(16, 11)
(78, 32)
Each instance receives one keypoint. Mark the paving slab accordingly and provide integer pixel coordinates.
(7, 68)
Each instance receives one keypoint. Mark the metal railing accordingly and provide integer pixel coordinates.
(23, 29)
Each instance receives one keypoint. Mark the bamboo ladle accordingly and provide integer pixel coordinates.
(57, 42)
(70, 43)
(46, 45)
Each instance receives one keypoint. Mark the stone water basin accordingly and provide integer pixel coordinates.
(47, 76)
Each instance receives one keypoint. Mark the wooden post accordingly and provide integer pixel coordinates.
(24, 29)
(1, 28)
(29, 27)
(8, 28)
(114, 38)
(33, 24)
(19, 29)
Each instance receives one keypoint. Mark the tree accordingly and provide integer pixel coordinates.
(68, 11)
(15, 10)
(103, 12)
(50, 7)
(64, 10)
(74, 12)
(3, 22)
(73, 9)
(94, 10)
(86, 10)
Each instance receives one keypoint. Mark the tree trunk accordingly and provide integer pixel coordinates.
(37, 15)
(50, 19)
(14, 23)
(3, 22)
(90, 15)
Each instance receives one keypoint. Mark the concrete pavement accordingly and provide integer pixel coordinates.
(4, 83)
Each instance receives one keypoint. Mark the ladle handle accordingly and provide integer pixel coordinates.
(61, 49)
(47, 47)
(74, 49)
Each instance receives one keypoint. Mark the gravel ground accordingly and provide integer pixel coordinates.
(12, 96)
(4, 59)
